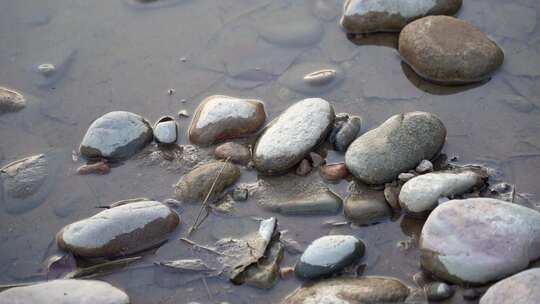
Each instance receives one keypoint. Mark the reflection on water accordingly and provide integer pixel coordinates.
(126, 55)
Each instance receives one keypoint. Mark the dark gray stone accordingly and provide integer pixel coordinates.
(120, 230)
(396, 146)
(116, 135)
(327, 255)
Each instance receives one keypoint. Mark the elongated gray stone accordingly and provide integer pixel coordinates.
(120, 230)
(521, 288)
(65, 292)
(396, 146)
(116, 135)
(221, 117)
(292, 135)
(479, 240)
(323, 201)
(327, 255)
(345, 290)
(421, 193)
(368, 16)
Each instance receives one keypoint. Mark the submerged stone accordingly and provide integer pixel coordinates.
(195, 185)
(236, 153)
(116, 135)
(221, 117)
(322, 201)
(312, 78)
(292, 135)
(327, 255)
(367, 289)
(479, 240)
(365, 206)
(11, 101)
(368, 16)
(119, 231)
(292, 33)
(449, 51)
(396, 146)
(65, 292)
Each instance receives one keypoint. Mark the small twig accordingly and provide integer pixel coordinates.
(196, 224)
(8, 286)
(513, 193)
(207, 288)
(100, 269)
(192, 243)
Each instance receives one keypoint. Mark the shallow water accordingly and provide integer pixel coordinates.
(125, 55)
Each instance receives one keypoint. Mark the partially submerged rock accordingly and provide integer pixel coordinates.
(195, 185)
(327, 255)
(351, 291)
(65, 292)
(21, 182)
(292, 135)
(236, 153)
(344, 132)
(11, 101)
(422, 193)
(479, 240)
(323, 201)
(448, 50)
(115, 136)
(366, 206)
(119, 231)
(221, 117)
(369, 16)
(397, 145)
(521, 288)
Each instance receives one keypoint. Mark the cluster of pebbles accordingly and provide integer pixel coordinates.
(473, 234)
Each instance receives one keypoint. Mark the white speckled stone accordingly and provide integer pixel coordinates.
(328, 254)
(116, 135)
(65, 292)
(366, 16)
(521, 288)
(222, 117)
(422, 192)
(120, 230)
(479, 240)
(166, 131)
(293, 134)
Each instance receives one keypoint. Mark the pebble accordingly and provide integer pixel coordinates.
(221, 117)
(316, 159)
(397, 145)
(320, 78)
(304, 167)
(312, 77)
(438, 291)
(327, 255)
(479, 240)
(404, 177)
(424, 166)
(346, 290)
(391, 194)
(345, 132)
(119, 231)
(115, 136)
(195, 185)
(100, 167)
(183, 113)
(65, 292)
(47, 69)
(292, 135)
(240, 194)
(422, 193)
(236, 153)
(365, 206)
(166, 130)
(369, 16)
(521, 288)
(334, 172)
(447, 50)
(322, 201)
(11, 101)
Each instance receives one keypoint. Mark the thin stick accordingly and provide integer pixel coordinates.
(205, 202)
(207, 288)
(192, 243)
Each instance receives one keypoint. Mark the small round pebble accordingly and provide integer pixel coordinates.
(425, 166)
(438, 291)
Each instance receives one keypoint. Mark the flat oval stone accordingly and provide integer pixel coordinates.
(346, 290)
(479, 240)
(120, 230)
(421, 193)
(116, 135)
(323, 201)
(368, 16)
(327, 255)
(521, 288)
(292, 135)
(195, 185)
(221, 117)
(11, 101)
(312, 77)
(447, 50)
(65, 292)
(396, 146)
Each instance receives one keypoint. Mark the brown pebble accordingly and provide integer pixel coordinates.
(391, 194)
(286, 272)
(237, 153)
(101, 167)
(334, 172)
(303, 168)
